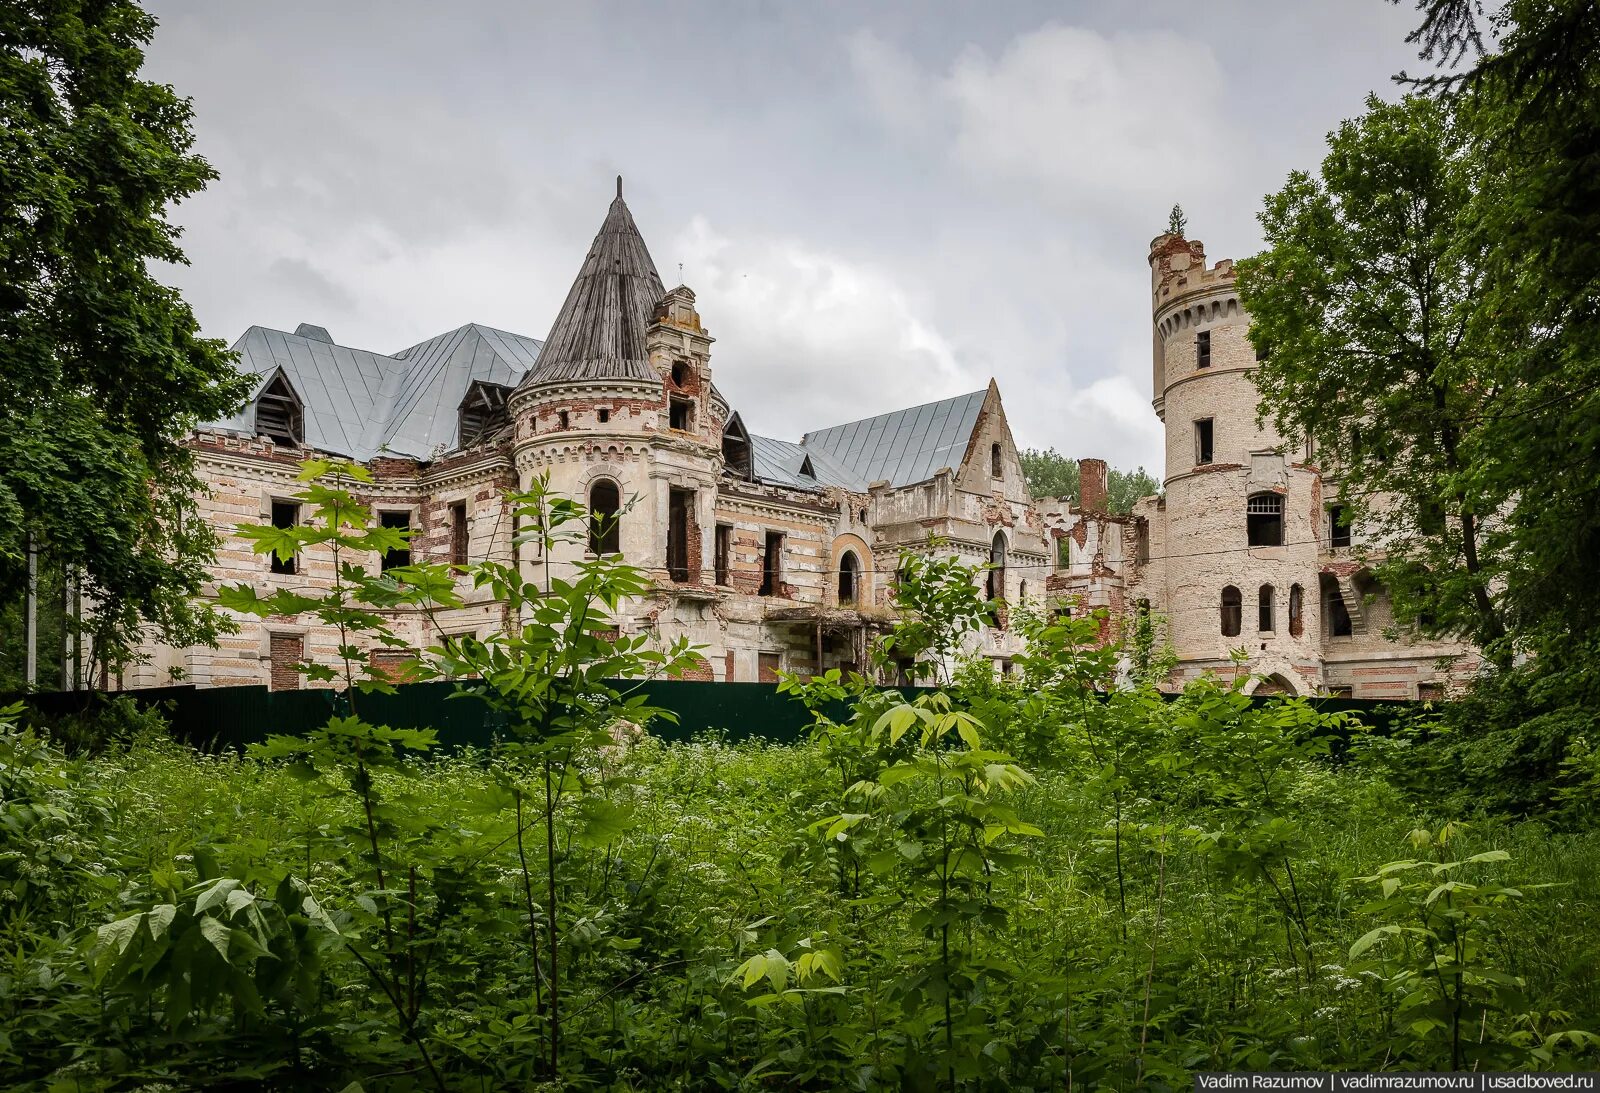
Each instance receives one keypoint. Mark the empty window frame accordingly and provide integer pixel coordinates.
(1202, 349)
(772, 565)
(399, 556)
(680, 414)
(1297, 624)
(563, 420)
(278, 414)
(996, 468)
(723, 552)
(1265, 602)
(459, 533)
(1335, 611)
(1263, 519)
(1141, 550)
(1203, 450)
(1338, 526)
(849, 578)
(1232, 609)
(602, 415)
(996, 586)
(605, 525)
(680, 522)
(285, 515)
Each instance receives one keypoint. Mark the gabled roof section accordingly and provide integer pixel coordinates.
(360, 404)
(599, 334)
(906, 446)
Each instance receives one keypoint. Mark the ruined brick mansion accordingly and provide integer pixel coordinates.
(772, 554)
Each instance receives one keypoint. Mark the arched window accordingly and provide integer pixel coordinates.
(1022, 591)
(997, 573)
(680, 373)
(1231, 610)
(1264, 605)
(849, 578)
(1264, 519)
(1297, 624)
(605, 528)
(995, 470)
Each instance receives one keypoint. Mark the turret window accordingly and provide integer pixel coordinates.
(1264, 519)
(1202, 349)
(1203, 450)
(680, 414)
(605, 527)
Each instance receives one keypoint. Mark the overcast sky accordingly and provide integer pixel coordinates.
(876, 204)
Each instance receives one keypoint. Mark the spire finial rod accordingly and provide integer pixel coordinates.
(619, 186)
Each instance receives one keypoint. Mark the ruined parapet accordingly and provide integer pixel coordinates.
(1094, 486)
(1178, 265)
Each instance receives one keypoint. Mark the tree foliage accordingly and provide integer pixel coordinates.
(1051, 474)
(102, 366)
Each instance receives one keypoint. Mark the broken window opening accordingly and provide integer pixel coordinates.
(1338, 526)
(995, 468)
(724, 549)
(1297, 623)
(458, 533)
(278, 414)
(997, 567)
(1263, 518)
(680, 414)
(849, 578)
(1334, 609)
(680, 373)
(482, 413)
(1202, 349)
(680, 517)
(285, 515)
(1232, 609)
(1142, 544)
(603, 415)
(605, 525)
(736, 449)
(1202, 441)
(1265, 601)
(397, 556)
(772, 565)
(564, 421)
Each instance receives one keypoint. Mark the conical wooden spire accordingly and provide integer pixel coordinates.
(599, 333)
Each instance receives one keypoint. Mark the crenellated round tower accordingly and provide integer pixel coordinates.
(1243, 508)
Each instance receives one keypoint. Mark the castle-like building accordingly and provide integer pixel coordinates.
(776, 555)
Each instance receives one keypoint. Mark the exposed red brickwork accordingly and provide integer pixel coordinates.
(767, 667)
(728, 668)
(700, 671)
(1094, 487)
(287, 651)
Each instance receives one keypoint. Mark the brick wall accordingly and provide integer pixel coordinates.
(287, 650)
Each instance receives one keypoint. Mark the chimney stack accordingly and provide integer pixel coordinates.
(1093, 486)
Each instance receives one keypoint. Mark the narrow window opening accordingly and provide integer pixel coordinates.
(1297, 625)
(458, 533)
(564, 420)
(995, 469)
(724, 549)
(1202, 349)
(1202, 441)
(1264, 609)
(398, 556)
(680, 373)
(1338, 526)
(849, 578)
(1334, 610)
(285, 515)
(1232, 608)
(680, 519)
(997, 567)
(1263, 517)
(772, 565)
(605, 527)
(603, 415)
(1142, 547)
(680, 414)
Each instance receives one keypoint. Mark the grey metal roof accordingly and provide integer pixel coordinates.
(907, 446)
(361, 404)
(599, 332)
(780, 463)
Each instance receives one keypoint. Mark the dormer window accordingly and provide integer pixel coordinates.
(278, 414)
(483, 412)
(736, 449)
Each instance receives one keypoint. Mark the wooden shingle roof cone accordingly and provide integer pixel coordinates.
(600, 331)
